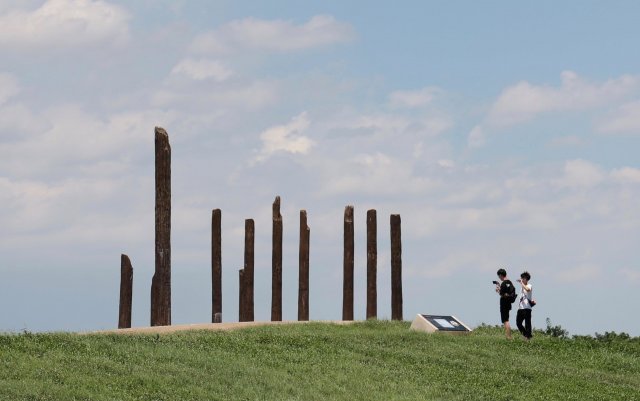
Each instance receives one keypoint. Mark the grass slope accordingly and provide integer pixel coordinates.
(364, 361)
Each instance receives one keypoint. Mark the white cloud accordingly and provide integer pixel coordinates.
(631, 274)
(626, 175)
(64, 23)
(569, 140)
(273, 35)
(477, 260)
(17, 121)
(524, 101)
(418, 150)
(372, 174)
(476, 137)
(70, 139)
(251, 96)
(390, 125)
(467, 200)
(625, 120)
(9, 87)
(581, 174)
(584, 272)
(28, 206)
(74, 210)
(412, 98)
(202, 69)
(286, 138)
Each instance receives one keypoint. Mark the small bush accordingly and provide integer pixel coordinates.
(556, 331)
(610, 336)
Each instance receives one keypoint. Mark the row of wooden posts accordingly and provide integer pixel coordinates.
(161, 282)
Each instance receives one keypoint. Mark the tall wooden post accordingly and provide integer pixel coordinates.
(372, 264)
(347, 288)
(249, 234)
(396, 268)
(161, 282)
(303, 268)
(216, 266)
(241, 296)
(126, 292)
(276, 263)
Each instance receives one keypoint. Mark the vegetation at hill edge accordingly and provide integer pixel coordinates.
(375, 360)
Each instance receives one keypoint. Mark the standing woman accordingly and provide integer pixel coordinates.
(524, 308)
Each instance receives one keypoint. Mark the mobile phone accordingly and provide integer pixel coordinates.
(495, 282)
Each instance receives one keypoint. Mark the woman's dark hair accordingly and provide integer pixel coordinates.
(502, 272)
(526, 275)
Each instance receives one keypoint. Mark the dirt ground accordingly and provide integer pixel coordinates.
(205, 326)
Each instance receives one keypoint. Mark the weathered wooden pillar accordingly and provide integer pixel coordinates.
(372, 264)
(126, 292)
(161, 282)
(216, 266)
(303, 268)
(347, 288)
(241, 296)
(396, 268)
(276, 263)
(249, 235)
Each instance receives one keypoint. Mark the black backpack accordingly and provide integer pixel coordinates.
(512, 296)
(511, 291)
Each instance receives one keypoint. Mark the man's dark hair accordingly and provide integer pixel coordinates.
(526, 275)
(503, 272)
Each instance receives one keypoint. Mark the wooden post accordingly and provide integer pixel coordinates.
(216, 266)
(276, 263)
(396, 268)
(249, 234)
(161, 282)
(241, 296)
(303, 268)
(347, 288)
(126, 292)
(372, 264)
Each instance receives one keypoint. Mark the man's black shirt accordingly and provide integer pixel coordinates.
(506, 288)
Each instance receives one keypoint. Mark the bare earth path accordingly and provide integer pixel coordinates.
(207, 326)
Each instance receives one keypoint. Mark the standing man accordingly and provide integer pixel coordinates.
(507, 293)
(524, 307)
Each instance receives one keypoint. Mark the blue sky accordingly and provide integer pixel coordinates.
(504, 133)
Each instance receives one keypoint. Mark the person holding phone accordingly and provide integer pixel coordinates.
(525, 305)
(505, 290)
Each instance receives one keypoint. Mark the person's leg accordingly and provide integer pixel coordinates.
(527, 323)
(507, 329)
(519, 319)
(504, 318)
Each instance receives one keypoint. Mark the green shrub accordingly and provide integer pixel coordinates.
(555, 331)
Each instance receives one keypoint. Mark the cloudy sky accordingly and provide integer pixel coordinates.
(506, 135)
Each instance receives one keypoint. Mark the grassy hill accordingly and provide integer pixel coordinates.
(364, 361)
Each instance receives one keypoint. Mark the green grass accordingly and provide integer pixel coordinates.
(364, 361)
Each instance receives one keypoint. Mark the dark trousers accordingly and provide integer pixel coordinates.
(524, 314)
